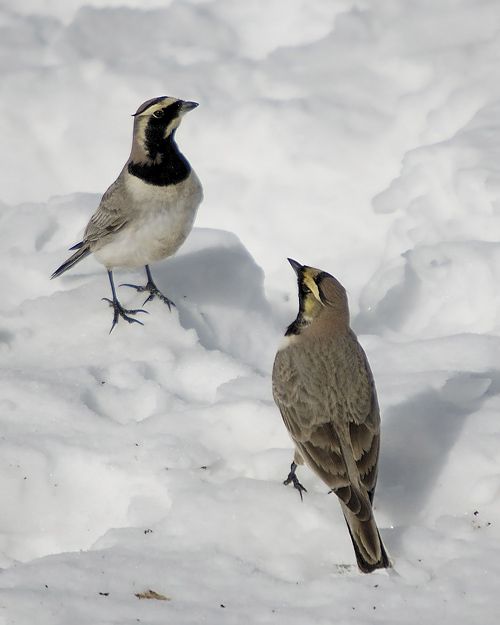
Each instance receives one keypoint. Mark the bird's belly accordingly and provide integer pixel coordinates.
(155, 233)
(150, 240)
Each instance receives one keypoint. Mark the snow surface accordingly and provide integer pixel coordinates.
(360, 137)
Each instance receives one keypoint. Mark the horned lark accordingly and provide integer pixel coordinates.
(325, 391)
(148, 212)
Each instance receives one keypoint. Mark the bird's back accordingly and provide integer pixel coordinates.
(325, 392)
(328, 373)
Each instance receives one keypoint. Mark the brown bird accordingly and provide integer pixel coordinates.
(324, 388)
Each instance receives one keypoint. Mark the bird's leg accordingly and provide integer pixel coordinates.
(292, 478)
(119, 311)
(153, 290)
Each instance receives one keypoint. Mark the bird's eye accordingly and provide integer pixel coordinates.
(306, 290)
(159, 113)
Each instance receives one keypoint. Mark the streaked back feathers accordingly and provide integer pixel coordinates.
(324, 388)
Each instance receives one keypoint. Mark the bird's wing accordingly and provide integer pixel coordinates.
(110, 216)
(363, 418)
(330, 408)
(310, 425)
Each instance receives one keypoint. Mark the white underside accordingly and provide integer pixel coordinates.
(159, 223)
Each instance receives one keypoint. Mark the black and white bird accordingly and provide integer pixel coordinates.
(148, 212)
(324, 388)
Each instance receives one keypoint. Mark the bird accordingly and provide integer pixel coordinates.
(148, 212)
(325, 391)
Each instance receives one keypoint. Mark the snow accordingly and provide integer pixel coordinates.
(359, 137)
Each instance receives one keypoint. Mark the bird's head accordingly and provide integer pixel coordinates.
(156, 121)
(321, 296)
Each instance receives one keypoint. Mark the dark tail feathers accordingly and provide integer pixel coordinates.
(363, 564)
(368, 546)
(83, 250)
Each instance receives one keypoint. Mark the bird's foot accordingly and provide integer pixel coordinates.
(293, 479)
(119, 311)
(153, 292)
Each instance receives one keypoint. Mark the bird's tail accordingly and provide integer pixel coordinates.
(368, 546)
(82, 251)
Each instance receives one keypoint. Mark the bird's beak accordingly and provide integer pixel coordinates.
(188, 106)
(295, 265)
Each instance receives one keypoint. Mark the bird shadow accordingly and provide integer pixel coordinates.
(218, 290)
(393, 309)
(418, 436)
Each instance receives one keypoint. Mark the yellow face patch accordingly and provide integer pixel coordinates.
(308, 280)
(310, 306)
(311, 302)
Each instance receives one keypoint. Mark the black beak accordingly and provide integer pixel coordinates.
(295, 265)
(188, 106)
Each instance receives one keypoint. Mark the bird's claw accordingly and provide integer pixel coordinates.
(163, 298)
(119, 311)
(293, 479)
(138, 288)
(153, 292)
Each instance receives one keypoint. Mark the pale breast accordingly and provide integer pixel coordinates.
(160, 220)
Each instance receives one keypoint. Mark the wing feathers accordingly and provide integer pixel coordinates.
(328, 402)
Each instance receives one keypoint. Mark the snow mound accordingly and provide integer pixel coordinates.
(359, 137)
